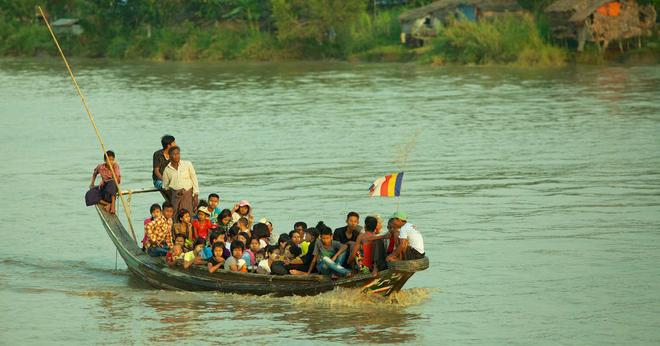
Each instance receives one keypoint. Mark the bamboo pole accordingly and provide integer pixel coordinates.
(91, 118)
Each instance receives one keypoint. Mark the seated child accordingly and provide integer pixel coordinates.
(259, 256)
(253, 247)
(235, 263)
(272, 255)
(216, 237)
(182, 241)
(214, 200)
(175, 256)
(216, 261)
(282, 241)
(261, 233)
(231, 235)
(155, 212)
(194, 256)
(184, 227)
(243, 238)
(243, 226)
(293, 263)
(296, 239)
(202, 224)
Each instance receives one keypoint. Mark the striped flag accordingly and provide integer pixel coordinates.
(387, 186)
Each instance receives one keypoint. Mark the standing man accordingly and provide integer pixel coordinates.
(411, 244)
(161, 160)
(180, 182)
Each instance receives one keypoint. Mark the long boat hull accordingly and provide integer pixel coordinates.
(157, 273)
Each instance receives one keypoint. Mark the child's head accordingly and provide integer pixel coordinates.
(202, 214)
(274, 253)
(232, 232)
(244, 207)
(217, 236)
(243, 238)
(109, 157)
(218, 248)
(168, 210)
(325, 233)
(260, 231)
(300, 227)
(295, 237)
(254, 245)
(224, 217)
(370, 223)
(199, 245)
(177, 250)
(179, 239)
(282, 240)
(184, 216)
(292, 250)
(202, 204)
(214, 199)
(243, 223)
(311, 234)
(237, 248)
(260, 255)
(155, 211)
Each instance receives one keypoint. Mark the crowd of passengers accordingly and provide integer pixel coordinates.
(189, 232)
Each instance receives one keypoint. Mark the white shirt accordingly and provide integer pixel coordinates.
(182, 178)
(263, 267)
(410, 232)
(232, 260)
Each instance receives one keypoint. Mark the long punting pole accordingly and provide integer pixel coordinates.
(91, 118)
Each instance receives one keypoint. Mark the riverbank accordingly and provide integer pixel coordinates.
(276, 36)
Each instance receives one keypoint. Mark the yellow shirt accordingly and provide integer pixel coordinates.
(304, 246)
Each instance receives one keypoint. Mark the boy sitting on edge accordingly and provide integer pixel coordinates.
(329, 254)
(216, 261)
(194, 256)
(235, 263)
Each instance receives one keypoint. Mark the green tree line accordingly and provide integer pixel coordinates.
(263, 30)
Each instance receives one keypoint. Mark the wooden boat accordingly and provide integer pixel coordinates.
(156, 272)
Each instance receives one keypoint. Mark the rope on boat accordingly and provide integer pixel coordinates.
(127, 210)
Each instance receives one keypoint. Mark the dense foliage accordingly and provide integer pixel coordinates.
(267, 30)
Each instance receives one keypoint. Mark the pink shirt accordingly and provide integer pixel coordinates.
(105, 172)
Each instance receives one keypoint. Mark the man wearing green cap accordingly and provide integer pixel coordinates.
(411, 243)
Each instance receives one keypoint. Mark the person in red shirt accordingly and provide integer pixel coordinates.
(203, 223)
(372, 246)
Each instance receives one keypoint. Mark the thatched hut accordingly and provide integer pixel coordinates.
(600, 21)
(420, 23)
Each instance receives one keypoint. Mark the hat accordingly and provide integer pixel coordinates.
(400, 215)
(243, 203)
(204, 210)
(265, 220)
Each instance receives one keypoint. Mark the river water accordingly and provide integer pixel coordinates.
(537, 192)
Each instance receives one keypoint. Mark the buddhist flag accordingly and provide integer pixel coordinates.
(387, 186)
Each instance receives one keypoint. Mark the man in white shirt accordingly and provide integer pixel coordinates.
(180, 182)
(411, 243)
